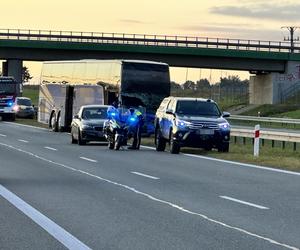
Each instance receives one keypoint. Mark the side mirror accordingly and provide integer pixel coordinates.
(76, 117)
(169, 112)
(226, 114)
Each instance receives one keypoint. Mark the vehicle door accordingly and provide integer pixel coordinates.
(169, 118)
(76, 124)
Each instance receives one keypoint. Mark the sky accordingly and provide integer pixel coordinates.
(235, 19)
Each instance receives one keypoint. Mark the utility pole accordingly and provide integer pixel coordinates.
(291, 38)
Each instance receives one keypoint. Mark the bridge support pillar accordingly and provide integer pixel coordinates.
(274, 88)
(13, 68)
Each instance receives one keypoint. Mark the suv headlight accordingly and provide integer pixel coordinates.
(86, 127)
(224, 126)
(181, 123)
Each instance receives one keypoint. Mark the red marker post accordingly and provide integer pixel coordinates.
(256, 140)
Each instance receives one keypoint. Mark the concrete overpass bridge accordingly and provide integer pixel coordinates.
(276, 69)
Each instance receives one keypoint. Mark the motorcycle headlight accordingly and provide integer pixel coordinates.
(224, 126)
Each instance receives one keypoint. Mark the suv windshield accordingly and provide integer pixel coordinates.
(197, 108)
(24, 102)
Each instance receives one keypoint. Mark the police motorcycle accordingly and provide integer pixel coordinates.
(122, 125)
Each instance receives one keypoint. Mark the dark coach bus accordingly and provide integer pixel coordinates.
(67, 85)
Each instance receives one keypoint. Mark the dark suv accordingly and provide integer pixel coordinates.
(191, 122)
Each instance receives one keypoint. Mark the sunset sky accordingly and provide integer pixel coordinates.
(244, 19)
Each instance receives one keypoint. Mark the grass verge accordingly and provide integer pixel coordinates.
(272, 157)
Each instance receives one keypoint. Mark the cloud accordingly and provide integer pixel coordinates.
(234, 31)
(131, 21)
(271, 11)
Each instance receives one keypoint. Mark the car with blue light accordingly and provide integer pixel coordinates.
(24, 108)
(191, 122)
(88, 124)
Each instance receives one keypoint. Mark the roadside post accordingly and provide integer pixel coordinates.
(256, 140)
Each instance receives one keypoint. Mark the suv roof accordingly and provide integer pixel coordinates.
(191, 99)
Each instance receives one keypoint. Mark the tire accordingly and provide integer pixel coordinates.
(53, 123)
(13, 117)
(73, 141)
(174, 147)
(224, 147)
(111, 145)
(59, 127)
(118, 144)
(160, 142)
(80, 141)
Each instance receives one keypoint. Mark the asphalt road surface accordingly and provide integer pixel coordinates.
(55, 195)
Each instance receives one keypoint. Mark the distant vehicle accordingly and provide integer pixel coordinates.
(191, 122)
(24, 108)
(8, 93)
(67, 85)
(87, 125)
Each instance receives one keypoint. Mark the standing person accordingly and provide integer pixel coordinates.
(136, 129)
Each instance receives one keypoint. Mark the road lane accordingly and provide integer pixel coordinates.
(188, 182)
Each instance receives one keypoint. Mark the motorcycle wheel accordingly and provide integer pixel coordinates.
(118, 144)
(110, 145)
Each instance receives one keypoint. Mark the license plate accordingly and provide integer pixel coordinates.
(205, 132)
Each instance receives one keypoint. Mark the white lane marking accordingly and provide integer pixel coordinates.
(172, 205)
(2, 135)
(23, 141)
(60, 234)
(239, 164)
(53, 149)
(87, 159)
(243, 202)
(145, 175)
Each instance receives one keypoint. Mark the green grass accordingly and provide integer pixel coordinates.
(272, 109)
(276, 157)
(32, 92)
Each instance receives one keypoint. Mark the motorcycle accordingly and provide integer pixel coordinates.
(120, 127)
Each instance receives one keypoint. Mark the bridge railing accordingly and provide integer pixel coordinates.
(147, 40)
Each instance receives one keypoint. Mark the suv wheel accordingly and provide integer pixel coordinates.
(174, 147)
(160, 142)
(224, 147)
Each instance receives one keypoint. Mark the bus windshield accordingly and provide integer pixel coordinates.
(145, 84)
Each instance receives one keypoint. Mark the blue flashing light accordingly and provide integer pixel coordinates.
(10, 104)
(113, 113)
(132, 119)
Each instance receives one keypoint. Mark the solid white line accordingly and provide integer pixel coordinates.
(53, 149)
(239, 164)
(51, 227)
(87, 159)
(167, 203)
(2, 135)
(145, 175)
(243, 202)
(23, 141)
(201, 157)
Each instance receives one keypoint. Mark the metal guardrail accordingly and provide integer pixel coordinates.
(268, 135)
(147, 40)
(265, 119)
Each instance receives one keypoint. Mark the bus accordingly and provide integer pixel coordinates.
(67, 85)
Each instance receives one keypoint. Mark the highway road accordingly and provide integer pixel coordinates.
(55, 195)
